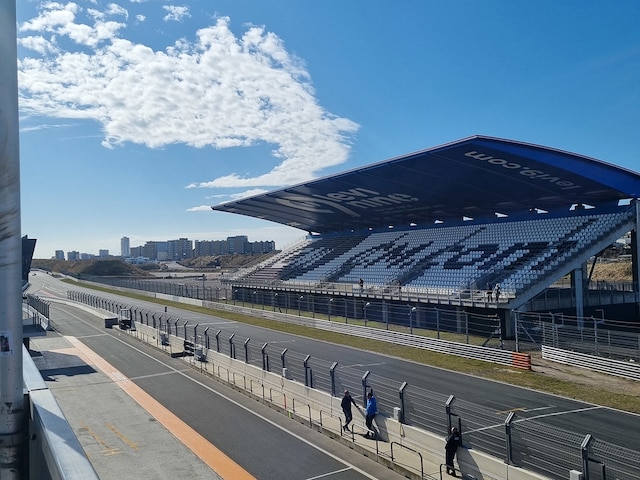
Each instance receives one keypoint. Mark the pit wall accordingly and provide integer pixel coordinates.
(322, 411)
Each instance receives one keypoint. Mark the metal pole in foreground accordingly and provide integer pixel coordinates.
(11, 396)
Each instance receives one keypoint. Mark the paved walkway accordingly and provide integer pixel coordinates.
(125, 435)
(120, 437)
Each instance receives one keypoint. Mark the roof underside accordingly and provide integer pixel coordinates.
(473, 177)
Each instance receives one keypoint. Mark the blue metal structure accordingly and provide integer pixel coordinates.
(470, 178)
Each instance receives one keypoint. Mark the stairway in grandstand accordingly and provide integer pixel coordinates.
(516, 253)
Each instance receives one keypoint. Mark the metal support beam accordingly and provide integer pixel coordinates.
(577, 277)
(12, 416)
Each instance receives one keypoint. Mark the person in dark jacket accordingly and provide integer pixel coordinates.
(450, 448)
(346, 403)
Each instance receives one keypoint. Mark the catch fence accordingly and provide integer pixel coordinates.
(527, 443)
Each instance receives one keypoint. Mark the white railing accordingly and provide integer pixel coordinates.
(599, 364)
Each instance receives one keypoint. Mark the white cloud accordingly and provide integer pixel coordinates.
(228, 198)
(36, 128)
(115, 9)
(38, 44)
(218, 91)
(176, 13)
(201, 208)
(247, 193)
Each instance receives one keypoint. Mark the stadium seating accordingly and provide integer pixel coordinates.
(515, 253)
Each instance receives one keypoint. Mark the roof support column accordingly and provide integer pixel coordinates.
(635, 256)
(577, 281)
(11, 396)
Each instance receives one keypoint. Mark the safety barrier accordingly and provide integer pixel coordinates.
(521, 360)
(599, 364)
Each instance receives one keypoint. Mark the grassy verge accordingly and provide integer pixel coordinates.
(513, 376)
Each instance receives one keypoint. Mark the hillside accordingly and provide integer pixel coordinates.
(224, 261)
(613, 271)
(97, 267)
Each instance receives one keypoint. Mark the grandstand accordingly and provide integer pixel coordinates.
(445, 225)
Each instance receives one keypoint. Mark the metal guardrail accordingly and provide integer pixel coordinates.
(475, 352)
(599, 364)
(54, 449)
(530, 440)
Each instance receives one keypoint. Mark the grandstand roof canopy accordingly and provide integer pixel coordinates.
(472, 177)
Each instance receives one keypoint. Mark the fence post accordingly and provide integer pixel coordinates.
(364, 386)
(516, 320)
(507, 431)
(450, 414)
(218, 341)
(175, 324)
(584, 450)
(403, 387)
(595, 334)
(232, 346)
(308, 382)
(265, 357)
(332, 375)
(283, 359)
(246, 350)
(466, 326)
(206, 338)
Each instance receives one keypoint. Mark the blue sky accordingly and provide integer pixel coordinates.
(137, 116)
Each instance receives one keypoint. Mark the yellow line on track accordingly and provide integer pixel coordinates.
(208, 453)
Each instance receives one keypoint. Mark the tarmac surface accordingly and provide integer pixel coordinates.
(141, 414)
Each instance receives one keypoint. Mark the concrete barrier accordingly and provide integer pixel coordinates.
(316, 407)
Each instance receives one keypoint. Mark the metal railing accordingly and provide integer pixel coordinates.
(527, 443)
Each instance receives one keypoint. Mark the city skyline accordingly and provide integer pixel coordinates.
(137, 116)
(103, 253)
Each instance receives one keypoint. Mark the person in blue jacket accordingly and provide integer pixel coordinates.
(371, 410)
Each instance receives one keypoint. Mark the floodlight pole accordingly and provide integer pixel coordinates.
(12, 415)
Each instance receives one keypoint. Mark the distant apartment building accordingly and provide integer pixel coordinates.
(162, 251)
(59, 255)
(86, 256)
(208, 248)
(73, 256)
(238, 244)
(150, 250)
(181, 249)
(125, 248)
(263, 247)
(232, 245)
(103, 253)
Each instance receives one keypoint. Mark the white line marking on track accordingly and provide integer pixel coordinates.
(247, 409)
(537, 409)
(159, 374)
(555, 414)
(328, 474)
(365, 364)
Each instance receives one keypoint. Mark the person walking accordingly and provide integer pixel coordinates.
(346, 403)
(371, 410)
(451, 445)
